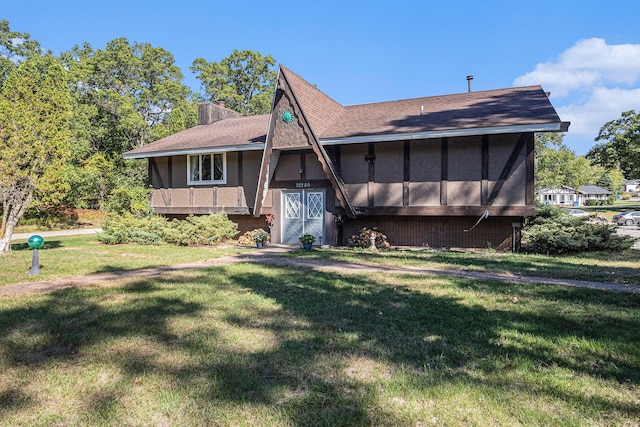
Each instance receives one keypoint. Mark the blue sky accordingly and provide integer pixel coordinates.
(586, 53)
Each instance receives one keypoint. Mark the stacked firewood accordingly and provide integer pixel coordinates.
(364, 239)
(247, 238)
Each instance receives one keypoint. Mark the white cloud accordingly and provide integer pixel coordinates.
(602, 106)
(588, 63)
(594, 82)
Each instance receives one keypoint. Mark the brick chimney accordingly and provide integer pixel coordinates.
(209, 113)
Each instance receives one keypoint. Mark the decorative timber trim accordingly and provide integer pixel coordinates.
(484, 183)
(309, 183)
(196, 210)
(530, 193)
(444, 170)
(447, 210)
(284, 87)
(370, 158)
(240, 195)
(263, 179)
(166, 195)
(406, 172)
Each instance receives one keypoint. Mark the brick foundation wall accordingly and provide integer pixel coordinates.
(437, 232)
(428, 232)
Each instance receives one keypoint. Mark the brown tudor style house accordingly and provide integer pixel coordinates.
(424, 171)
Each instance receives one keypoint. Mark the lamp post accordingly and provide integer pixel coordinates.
(35, 243)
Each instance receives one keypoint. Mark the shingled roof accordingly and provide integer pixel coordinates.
(320, 110)
(520, 109)
(475, 110)
(241, 133)
(593, 189)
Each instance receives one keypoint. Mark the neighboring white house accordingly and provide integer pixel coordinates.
(567, 196)
(558, 196)
(631, 185)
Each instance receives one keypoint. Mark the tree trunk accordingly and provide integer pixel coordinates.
(5, 235)
(5, 244)
(10, 217)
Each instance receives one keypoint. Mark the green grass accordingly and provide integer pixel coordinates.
(256, 345)
(80, 255)
(622, 268)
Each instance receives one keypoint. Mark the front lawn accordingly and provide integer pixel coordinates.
(80, 255)
(276, 346)
(617, 267)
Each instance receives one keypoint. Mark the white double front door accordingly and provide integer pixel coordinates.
(303, 213)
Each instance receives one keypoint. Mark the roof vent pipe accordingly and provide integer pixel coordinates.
(469, 79)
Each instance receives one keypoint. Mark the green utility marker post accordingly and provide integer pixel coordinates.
(35, 243)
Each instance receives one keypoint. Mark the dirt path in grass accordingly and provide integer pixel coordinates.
(272, 256)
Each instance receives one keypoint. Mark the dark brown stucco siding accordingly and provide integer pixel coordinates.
(464, 171)
(198, 199)
(424, 162)
(289, 134)
(250, 171)
(424, 172)
(232, 170)
(313, 167)
(513, 189)
(179, 166)
(161, 168)
(389, 173)
(389, 162)
(464, 163)
(288, 167)
(354, 171)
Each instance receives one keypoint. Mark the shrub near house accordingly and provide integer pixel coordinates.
(209, 230)
(553, 231)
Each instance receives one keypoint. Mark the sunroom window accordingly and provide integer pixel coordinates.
(207, 168)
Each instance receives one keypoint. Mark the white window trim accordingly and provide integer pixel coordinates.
(210, 182)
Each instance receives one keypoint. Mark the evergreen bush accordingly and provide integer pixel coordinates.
(553, 231)
(127, 228)
(201, 230)
(154, 229)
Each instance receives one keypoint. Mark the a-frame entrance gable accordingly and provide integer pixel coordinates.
(291, 128)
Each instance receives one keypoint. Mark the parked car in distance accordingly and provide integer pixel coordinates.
(626, 218)
(577, 212)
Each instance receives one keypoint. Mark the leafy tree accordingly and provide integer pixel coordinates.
(14, 48)
(124, 96)
(622, 147)
(244, 81)
(91, 181)
(558, 166)
(616, 178)
(35, 111)
(126, 93)
(606, 182)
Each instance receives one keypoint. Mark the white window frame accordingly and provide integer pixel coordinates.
(208, 182)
